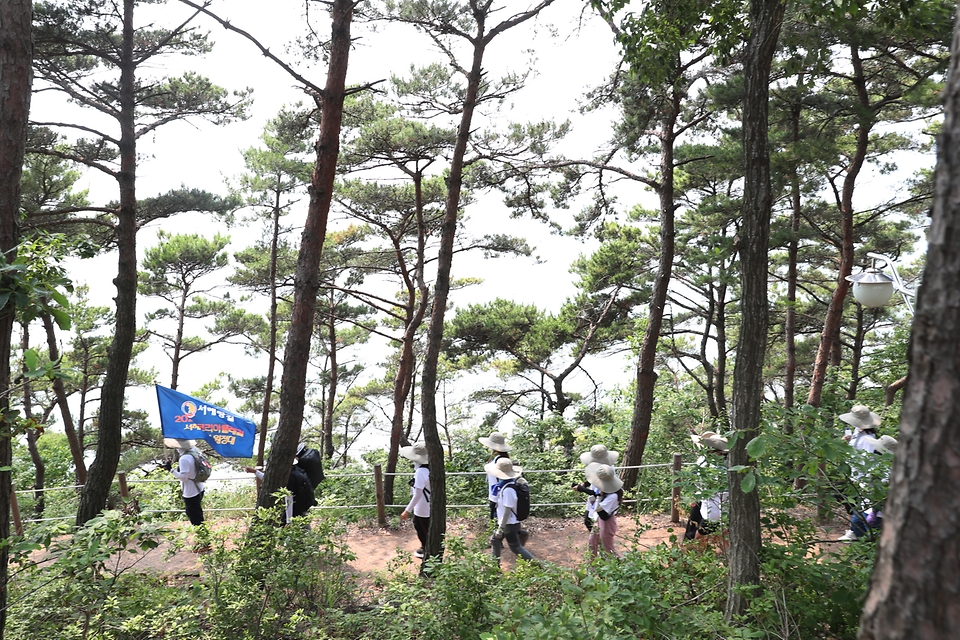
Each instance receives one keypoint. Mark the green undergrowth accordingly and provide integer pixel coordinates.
(264, 581)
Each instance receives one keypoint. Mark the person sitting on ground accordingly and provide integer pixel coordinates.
(862, 521)
(508, 525)
(861, 431)
(604, 477)
(419, 504)
(706, 513)
(865, 424)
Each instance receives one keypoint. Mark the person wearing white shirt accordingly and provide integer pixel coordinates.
(186, 471)
(604, 477)
(419, 504)
(598, 454)
(508, 525)
(707, 512)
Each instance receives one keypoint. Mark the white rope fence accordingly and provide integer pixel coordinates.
(376, 474)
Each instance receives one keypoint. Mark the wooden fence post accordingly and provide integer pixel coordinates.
(675, 513)
(15, 509)
(122, 481)
(381, 507)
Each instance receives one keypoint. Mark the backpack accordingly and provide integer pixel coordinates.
(201, 465)
(301, 488)
(309, 460)
(523, 498)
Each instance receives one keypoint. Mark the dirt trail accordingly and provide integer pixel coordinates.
(561, 541)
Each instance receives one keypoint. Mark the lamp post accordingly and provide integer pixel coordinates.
(874, 288)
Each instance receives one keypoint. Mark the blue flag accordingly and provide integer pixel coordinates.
(190, 419)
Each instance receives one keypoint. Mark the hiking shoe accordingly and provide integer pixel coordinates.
(849, 536)
(418, 553)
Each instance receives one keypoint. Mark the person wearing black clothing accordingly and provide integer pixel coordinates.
(301, 496)
(309, 460)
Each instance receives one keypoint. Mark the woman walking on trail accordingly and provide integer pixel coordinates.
(499, 448)
(598, 454)
(508, 525)
(419, 504)
(604, 478)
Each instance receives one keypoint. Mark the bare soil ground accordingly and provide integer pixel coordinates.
(560, 541)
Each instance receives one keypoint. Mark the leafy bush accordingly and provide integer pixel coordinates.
(279, 581)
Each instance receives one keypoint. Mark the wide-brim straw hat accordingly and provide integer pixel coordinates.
(599, 454)
(861, 417)
(179, 443)
(503, 469)
(883, 444)
(710, 439)
(495, 441)
(416, 452)
(603, 477)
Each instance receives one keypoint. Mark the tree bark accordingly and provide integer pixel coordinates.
(829, 338)
(334, 379)
(915, 588)
(96, 490)
(16, 78)
(647, 359)
(272, 348)
(39, 468)
(744, 557)
(307, 276)
(448, 232)
(60, 392)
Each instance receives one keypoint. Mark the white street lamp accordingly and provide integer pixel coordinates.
(873, 288)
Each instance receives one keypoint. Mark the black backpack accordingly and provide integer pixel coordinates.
(299, 485)
(309, 460)
(523, 498)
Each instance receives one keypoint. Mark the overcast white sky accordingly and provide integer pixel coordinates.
(573, 51)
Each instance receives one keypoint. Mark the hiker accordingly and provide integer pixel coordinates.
(865, 423)
(186, 472)
(604, 477)
(861, 521)
(598, 454)
(301, 497)
(862, 426)
(419, 505)
(309, 460)
(707, 512)
(499, 448)
(508, 520)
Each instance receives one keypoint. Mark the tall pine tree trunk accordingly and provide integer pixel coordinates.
(96, 490)
(915, 587)
(744, 557)
(647, 359)
(307, 276)
(16, 77)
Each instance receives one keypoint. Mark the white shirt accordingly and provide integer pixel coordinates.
(507, 506)
(492, 480)
(185, 472)
(420, 493)
(609, 503)
(858, 441)
(712, 508)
